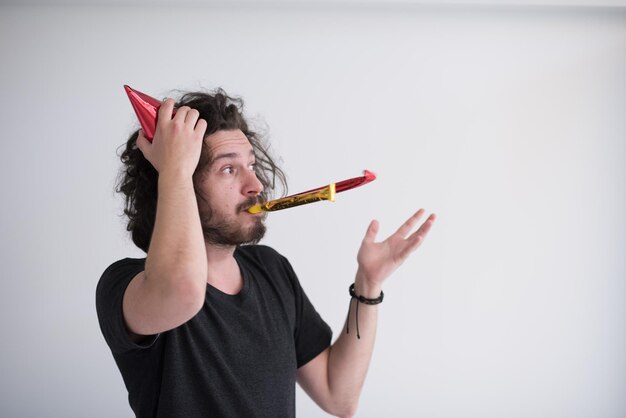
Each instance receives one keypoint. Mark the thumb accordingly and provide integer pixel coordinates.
(142, 142)
(372, 230)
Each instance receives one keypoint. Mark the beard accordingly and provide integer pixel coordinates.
(228, 232)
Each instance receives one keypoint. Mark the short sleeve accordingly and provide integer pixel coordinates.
(109, 296)
(312, 334)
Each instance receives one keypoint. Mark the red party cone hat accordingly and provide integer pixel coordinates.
(146, 108)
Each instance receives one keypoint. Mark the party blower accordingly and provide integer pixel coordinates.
(147, 108)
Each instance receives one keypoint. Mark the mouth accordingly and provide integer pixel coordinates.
(243, 207)
(251, 214)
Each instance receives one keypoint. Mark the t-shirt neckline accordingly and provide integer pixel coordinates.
(245, 288)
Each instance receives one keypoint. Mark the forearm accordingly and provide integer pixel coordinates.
(350, 355)
(177, 252)
(334, 379)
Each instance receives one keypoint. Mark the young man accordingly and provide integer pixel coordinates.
(206, 326)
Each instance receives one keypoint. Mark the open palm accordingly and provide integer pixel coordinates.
(377, 260)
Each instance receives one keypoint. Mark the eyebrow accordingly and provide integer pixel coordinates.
(227, 155)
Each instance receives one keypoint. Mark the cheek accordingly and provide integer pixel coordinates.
(227, 201)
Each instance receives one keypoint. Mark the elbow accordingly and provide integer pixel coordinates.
(344, 409)
(187, 291)
(184, 279)
(190, 293)
(349, 413)
(350, 410)
(194, 300)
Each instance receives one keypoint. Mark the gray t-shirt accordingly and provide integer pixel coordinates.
(236, 358)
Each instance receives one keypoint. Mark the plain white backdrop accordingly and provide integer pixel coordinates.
(509, 122)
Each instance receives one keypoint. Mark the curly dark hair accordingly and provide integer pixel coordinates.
(138, 179)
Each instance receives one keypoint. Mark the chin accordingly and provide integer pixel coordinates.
(256, 233)
(226, 234)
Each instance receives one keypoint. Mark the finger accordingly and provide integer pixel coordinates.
(416, 238)
(372, 230)
(166, 109)
(406, 227)
(181, 113)
(142, 142)
(192, 117)
(201, 127)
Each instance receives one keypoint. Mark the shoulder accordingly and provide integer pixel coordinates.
(119, 274)
(109, 301)
(122, 267)
(124, 264)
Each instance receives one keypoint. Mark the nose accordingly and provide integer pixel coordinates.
(253, 185)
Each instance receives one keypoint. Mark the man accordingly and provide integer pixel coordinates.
(206, 326)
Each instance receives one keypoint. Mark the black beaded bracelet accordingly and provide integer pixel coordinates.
(360, 299)
(365, 300)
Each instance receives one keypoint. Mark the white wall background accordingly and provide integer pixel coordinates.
(508, 122)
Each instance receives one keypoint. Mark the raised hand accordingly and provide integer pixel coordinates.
(177, 142)
(377, 260)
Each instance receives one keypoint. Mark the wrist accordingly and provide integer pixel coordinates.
(175, 170)
(363, 299)
(175, 177)
(365, 288)
(360, 299)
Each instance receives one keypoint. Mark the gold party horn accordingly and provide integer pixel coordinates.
(326, 193)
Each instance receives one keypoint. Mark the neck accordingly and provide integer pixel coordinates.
(223, 270)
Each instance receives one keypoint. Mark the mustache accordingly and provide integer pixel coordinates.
(251, 201)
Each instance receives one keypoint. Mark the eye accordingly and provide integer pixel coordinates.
(228, 170)
(252, 166)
